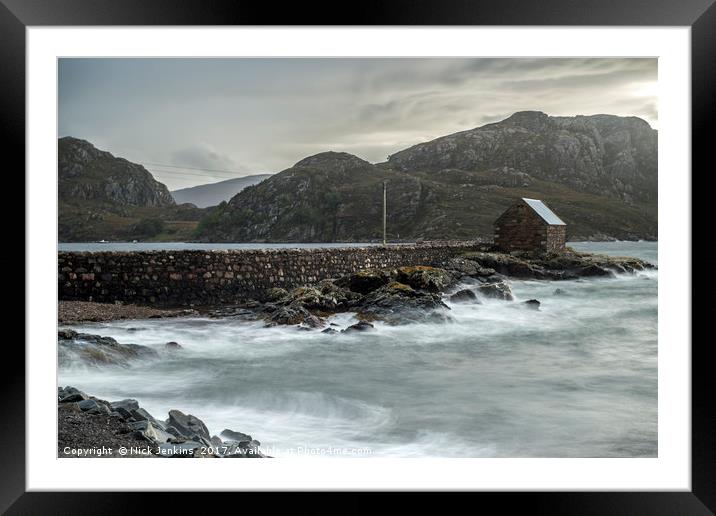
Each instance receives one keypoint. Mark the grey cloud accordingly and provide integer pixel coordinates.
(203, 156)
(263, 115)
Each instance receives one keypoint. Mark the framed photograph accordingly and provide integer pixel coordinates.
(443, 248)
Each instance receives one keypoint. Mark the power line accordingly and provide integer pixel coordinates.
(193, 168)
(188, 174)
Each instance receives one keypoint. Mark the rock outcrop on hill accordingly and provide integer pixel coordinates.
(89, 174)
(600, 154)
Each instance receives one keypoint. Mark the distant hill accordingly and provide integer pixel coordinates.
(599, 173)
(103, 197)
(212, 194)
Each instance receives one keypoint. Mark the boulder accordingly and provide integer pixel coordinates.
(427, 278)
(71, 395)
(329, 330)
(463, 267)
(359, 326)
(364, 281)
(127, 404)
(289, 315)
(122, 413)
(532, 303)
(464, 296)
(231, 435)
(142, 415)
(98, 350)
(496, 290)
(66, 334)
(72, 407)
(87, 405)
(312, 321)
(216, 440)
(146, 429)
(594, 270)
(173, 345)
(271, 295)
(397, 303)
(187, 424)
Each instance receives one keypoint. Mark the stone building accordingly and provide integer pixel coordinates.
(529, 225)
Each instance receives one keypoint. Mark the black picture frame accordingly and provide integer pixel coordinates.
(700, 15)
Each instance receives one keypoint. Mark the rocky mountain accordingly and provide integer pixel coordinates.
(88, 174)
(600, 154)
(103, 197)
(598, 173)
(212, 194)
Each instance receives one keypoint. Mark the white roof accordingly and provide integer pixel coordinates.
(543, 211)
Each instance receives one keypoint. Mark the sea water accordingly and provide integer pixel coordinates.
(576, 378)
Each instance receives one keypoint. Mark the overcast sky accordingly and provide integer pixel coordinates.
(249, 116)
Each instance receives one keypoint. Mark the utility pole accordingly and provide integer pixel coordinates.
(385, 211)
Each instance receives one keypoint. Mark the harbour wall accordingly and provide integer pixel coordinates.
(193, 277)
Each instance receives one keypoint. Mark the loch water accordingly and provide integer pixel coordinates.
(576, 378)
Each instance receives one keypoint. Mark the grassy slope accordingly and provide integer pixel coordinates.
(91, 221)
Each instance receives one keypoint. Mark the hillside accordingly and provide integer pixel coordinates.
(598, 173)
(101, 196)
(212, 194)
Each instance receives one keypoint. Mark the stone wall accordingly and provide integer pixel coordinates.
(181, 278)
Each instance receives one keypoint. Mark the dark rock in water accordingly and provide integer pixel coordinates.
(325, 297)
(187, 424)
(66, 334)
(98, 350)
(329, 330)
(231, 435)
(464, 296)
(364, 281)
(560, 292)
(216, 440)
(311, 321)
(498, 290)
(594, 270)
(397, 303)
(289, 315)
(510, 265)
(532, 303)
(173, 345)
(471, 268)
(359, 326)
(128, 405)
(422, 277)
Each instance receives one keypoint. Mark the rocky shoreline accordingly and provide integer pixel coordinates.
(393, 296)
(92, 427)
(411, 294)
